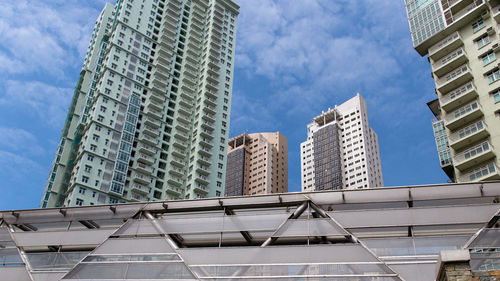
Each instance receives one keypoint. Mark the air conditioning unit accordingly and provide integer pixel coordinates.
(495, 46)
(490, 30)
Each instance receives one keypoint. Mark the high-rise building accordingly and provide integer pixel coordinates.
(460, 38)
(257, 164)
(341, 150)
(149, 119)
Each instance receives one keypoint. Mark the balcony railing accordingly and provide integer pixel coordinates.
(476, 154)
(468, 134)
(484, 172)
(458, 96)
(463, 115)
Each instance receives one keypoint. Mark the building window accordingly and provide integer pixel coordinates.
(217, 193)
(483, 41)
(79, 202)
(81, 190)
(220, 165)
(490, 57)
(476, 26)
(85, 179)
(496, 96)
(493, 76)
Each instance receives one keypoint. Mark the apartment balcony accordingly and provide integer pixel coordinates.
(190, 82)
(158, 89)
(180, 144)
(162, 66)
(147, 149)
(201, 188)
(184, 119)
(167, 43)
(143, 168)
(210, 101)
(162, 83)
(449, 62)
(468, 135)
(175, 181)
(181, 135)
(196, 27)
(176, 171)
(211, 91)
(171, 17)
(174, 190)
(207, 125)
(177, 162)
(486, 172)
(458, 97)
(445, 46)
(141, 178)
(148, 140)
(205, 151)
(213, 64)
(197, 21)
(201, 179)
(161, 73)
(203, 160)
(213, 72)
(154, 95)
(473, 156)
(206, 133)
(189, 89)
(464, 14)
(152, 122)
(185, 110)
(182, 127)
(179, 152)
(195, 40)
(154, 113)
(145, 159)
(209, 117)
(207, 143)
(463, 115)
(141, 189)
(454, 79)
(187, 95)
(153, 132)
(496, 13)
(210, 109)
(204, 170)
(191, 66)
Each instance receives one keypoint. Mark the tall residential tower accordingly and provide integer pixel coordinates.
(461, 39)
(341, 150)
(149, 119)
(257, 164)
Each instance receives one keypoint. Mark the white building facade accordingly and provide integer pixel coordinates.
(149, 119)
(341, 150)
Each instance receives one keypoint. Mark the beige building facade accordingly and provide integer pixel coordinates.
(257, 164)
(461, 40)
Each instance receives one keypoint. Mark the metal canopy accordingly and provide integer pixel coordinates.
(376, 234)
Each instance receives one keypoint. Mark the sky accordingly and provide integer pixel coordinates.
(294, 58)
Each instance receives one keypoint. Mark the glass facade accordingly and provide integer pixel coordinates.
(425, 18)
(327, 161)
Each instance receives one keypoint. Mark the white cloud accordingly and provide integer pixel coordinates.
(49, 103)
(19, 141)
(41, 37)
(18, 168)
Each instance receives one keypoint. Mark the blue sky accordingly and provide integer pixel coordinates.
(294, 58)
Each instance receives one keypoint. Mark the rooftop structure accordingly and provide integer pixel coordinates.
(341, 150)
(257, 164)
(379, 234)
